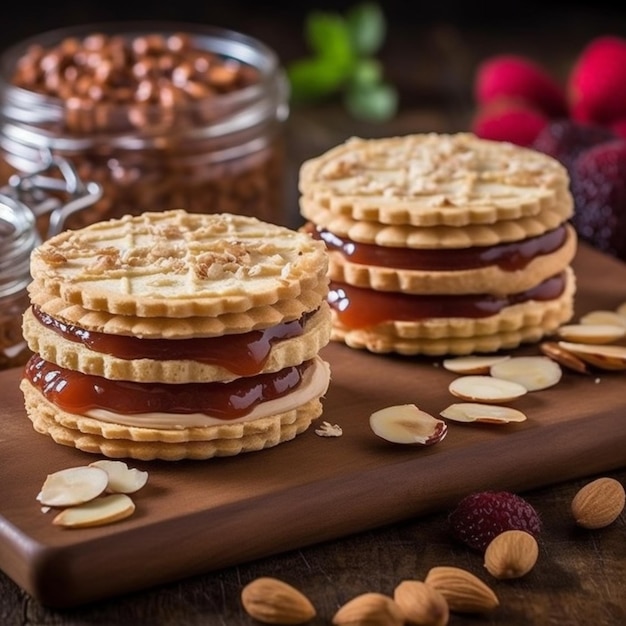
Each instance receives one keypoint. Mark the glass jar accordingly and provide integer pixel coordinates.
(55, 192)
(162, 116)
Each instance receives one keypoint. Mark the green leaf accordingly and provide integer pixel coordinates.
(328, 36)
(366, 72)
(367, 28)
(374, 103)
(314, 78)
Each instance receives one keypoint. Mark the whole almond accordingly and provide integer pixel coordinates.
(274, 601)
(599, 503)
(464, 592)
(511, 554)
(421, 604)
(369, 609)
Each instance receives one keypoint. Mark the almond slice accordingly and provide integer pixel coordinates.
(407, 424)
(472, 364)
(565, 358)
(98, 512)
(483, 413)
(533, 372)
(486, 389)
(72, 486)
(612, 318)
(601, 356)
(621, 309)
(122, 479)
(591, 333)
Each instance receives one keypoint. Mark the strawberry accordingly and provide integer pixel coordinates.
(509, 120)
(481, 516)
(565, 139)
(599, 189)
(596, 86)
(515, 76)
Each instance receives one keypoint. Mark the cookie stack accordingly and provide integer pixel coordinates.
(442, 243)
(177, 336)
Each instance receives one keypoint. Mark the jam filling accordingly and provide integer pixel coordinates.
(508, 256)
(357, 307)
(78, 393)
(244, 354)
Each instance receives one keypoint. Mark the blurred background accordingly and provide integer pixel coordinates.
(430, 52)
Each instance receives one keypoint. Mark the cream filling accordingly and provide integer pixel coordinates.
(314, 384)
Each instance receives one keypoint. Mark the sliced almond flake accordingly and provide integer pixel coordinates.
(482, 413)
(98, 512)
(621, 309)
(329, 430)
(603, 356)
(406, 424)
(472, 364)
(122, 479)
(72, 486)
(532, 372)
(486, 389)
(612, 318)
(591, 333)
(564, 357)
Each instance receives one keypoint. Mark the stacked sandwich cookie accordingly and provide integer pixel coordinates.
(442, 244)
(177, 336)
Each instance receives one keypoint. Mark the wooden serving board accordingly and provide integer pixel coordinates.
(193, 517)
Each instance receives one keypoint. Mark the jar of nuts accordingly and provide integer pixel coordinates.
(161, 116)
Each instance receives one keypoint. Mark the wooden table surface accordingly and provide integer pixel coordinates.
(580, 577)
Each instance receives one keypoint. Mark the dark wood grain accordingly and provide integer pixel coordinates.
(194, 518)
(580, 577)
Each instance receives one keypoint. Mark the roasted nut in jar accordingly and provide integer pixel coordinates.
(161, 117)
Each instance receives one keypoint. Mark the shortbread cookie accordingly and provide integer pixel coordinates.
(514, 321)
(209, 359)
(463, 244)
(174, 335)
(148, 444)
(178, 264)
(433, 179)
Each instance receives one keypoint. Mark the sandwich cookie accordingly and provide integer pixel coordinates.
(177, 336)
(442, 244)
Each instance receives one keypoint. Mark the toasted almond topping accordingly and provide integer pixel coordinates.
(97, 512)
(122, 479)
(565, 358)
(602, 356)
(472, 364)
(329, 430)
(483, 413)
(592, 333)
(532, 372)
(407, 424)
(72, 486)
(486, 389)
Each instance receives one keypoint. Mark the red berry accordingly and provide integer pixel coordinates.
(480, 517)
(565, 139)
(515, 76)
(509, 121)
(599, 189)
(597, 83)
